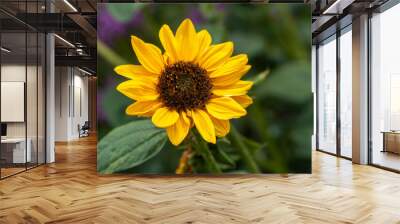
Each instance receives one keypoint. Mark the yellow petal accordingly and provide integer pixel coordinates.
(189, 114)
(148, 55)
(139, 90)
(167, 59)
(135, 72)
(143, 108)
(232, 78)
(204, 125)
(236, 89)
(169, 43)
(216, 56)
(164, 117)
(243, 100)
(204, 42)
(222, 127)
(186, 38)
(178, 131)
(225, 108)
(232, 65)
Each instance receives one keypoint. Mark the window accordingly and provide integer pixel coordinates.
(327, 95)
(385, 89)
(346, 92)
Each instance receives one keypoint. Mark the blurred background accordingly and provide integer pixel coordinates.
(277, 39)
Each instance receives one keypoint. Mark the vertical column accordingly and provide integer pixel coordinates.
(360, 90)
(50, 92)
(92, 99)
(313, 90)
(338, 91)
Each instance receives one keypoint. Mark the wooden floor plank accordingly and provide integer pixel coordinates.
(70, 191)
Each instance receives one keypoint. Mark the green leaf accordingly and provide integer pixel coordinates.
(237, 141)
(129, 145)
(115, 114)
(260, 77)
(224, 166)
(158, 164)
(252, 145)
(290, 82)
(248, 42)
(222, 147)
(202, 148)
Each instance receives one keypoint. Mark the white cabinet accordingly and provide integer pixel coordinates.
(19, 155)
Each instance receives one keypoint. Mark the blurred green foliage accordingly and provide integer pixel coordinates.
(277, 39)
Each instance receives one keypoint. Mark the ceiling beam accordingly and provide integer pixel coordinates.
(86, 27)
(337, 7)
(78, 61)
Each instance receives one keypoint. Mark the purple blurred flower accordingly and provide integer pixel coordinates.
(110, 83)
(101, 114)
(137, 19)
(196, 16)
(220, 7)
(109, 28)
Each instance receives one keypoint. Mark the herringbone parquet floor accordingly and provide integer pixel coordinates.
(70, 191)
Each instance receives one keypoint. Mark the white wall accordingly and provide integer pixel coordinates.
(12, 73)
(33, 127)
(71, 102)
(80, 109)
(16, 73)
(61, 103)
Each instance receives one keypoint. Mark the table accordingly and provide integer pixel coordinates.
(391, 141)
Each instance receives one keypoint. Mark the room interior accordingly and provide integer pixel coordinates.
(335, 80)
(72, 104)
(22, 101)
(24, 89)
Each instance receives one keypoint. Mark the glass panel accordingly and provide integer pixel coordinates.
(41, 99)
(31, 99)
(22, 88)
(32, 86)
(13, 86)
(327, 96)
(314, 75)
(385, 87)
(346, 94)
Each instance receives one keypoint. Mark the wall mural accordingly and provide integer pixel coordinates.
(204, 88)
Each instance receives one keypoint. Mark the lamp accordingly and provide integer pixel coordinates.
(5, 50)
(70, 5)
(64, 40)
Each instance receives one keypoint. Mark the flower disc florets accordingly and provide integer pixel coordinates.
(184, 85)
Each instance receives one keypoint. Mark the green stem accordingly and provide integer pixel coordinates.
(108, 54)
(262, 127)
(236, 140)
(205, 152)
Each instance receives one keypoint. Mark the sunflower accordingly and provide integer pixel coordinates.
(193, 83)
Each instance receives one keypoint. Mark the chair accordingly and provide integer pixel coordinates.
(84, 130)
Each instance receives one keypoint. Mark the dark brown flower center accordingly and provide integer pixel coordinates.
(184, 85)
